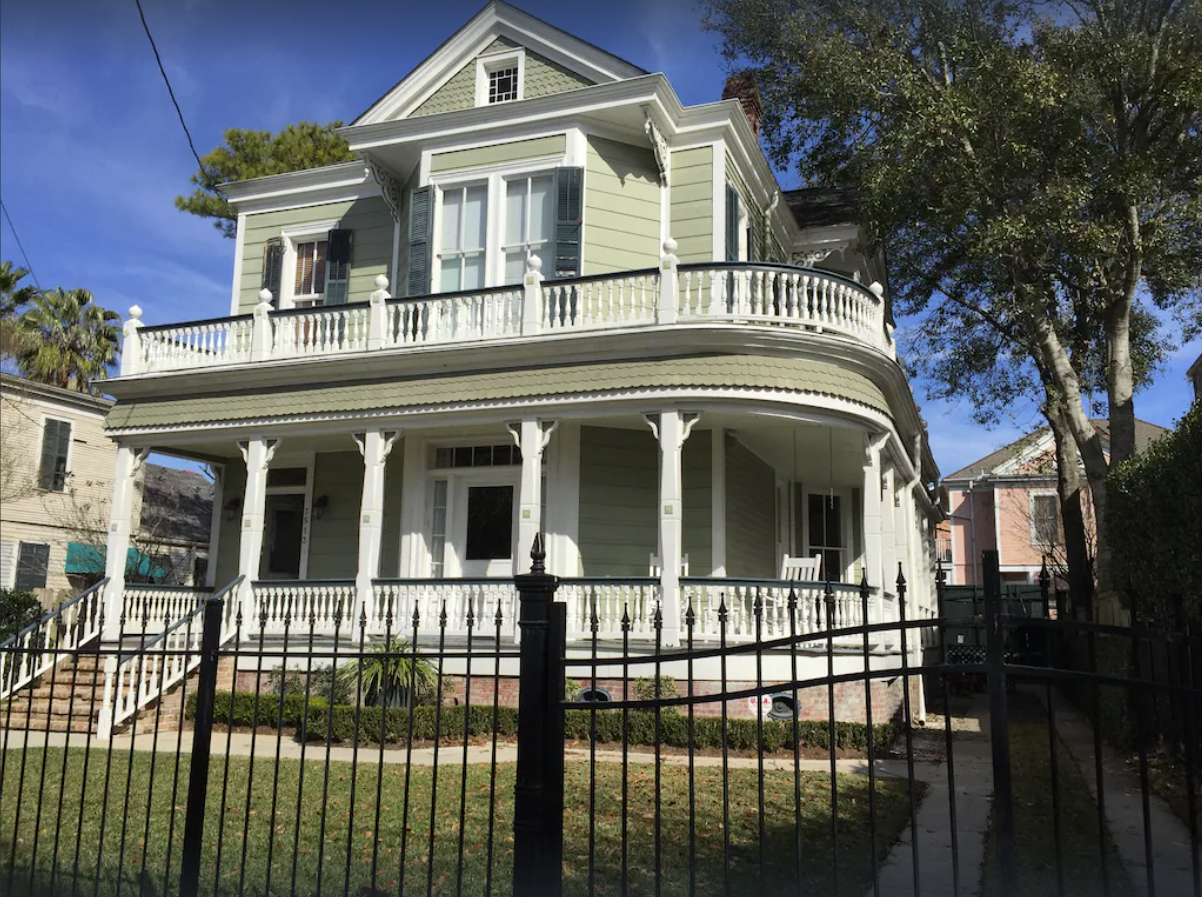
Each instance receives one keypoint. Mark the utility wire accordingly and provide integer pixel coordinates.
(167, 81)
(17, 237)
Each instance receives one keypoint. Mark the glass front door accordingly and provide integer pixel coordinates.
(485, 521)
(282, 538)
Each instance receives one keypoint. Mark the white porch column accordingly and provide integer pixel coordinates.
(257, 453)
(129, 462)
(215, 526)
(872, 509)
(413, 505)
(531, 436)
(375, 446)
(672, 428)
(889, 529)
(562, 525)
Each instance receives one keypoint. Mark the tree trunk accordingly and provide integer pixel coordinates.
(1072, 514)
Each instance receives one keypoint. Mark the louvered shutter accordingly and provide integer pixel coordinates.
(339, 243)
(56, 442)
(420, 222)
(732, 224)
(569, 183)
(273, 268)
(33, 562)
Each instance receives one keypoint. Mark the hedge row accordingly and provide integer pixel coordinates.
(673, 725)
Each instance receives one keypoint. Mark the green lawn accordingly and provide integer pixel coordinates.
(1034, 817)
(104, 826)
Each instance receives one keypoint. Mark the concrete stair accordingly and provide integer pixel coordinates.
(62, 706)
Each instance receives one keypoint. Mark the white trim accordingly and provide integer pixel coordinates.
(394, 288)
(239, 249)
(12, 567)
(1031, 496)
(220, 475)
(718, 501)
(307, 460)
(494, 62)
(847, 551)
(719, 188)
(563, 510)
(292, 235)
(17, 561)
(413, 539)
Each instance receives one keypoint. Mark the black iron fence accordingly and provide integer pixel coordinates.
(319, 760)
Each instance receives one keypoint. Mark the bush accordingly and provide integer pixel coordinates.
(673, 725)
(644, 688)
(18, 609)
(293, 682)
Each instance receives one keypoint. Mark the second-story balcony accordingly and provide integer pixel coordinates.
(737, 294)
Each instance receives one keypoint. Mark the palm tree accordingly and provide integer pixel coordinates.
(72, 340)
(12, 300)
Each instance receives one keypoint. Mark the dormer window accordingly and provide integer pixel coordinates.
(499, 77)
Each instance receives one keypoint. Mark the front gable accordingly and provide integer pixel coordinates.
(548, 61)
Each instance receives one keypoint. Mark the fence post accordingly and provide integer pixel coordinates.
(260, 337)
(669, 290)
(202, 737)
(999, 722)
(532, 296)
(377, 314)
(538, 794)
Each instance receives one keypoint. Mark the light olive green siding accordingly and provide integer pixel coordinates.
(795, 376)
(621, 208)
(371, 254)
(498, 153)
(234, 486)
(755, 215)
(334, 537)
(697, 480)
(750, 513)
(691, 204)
(390, 548)
(543, 78)
(619, 488)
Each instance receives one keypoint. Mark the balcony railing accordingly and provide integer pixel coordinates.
(738, 294)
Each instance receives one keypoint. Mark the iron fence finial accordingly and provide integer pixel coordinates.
(538, 555)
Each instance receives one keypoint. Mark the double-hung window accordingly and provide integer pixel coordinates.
(1045, 520)
(462, 254)
(529, 224)
(33, 565)
(310, 280)
(56, 444)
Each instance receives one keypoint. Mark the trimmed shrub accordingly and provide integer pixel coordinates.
(394, 722)
(18, 609)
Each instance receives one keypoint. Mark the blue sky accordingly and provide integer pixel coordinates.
(92, 156)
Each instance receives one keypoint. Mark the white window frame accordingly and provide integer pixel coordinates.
(307, 460)
(17, 561)
(437, 255)
(494, 62)
(292, 237)
(70, 452)
(848, 549)
(495, 177)
(1031, 496)
(502, 248)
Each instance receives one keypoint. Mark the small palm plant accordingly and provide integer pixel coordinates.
(393, 676)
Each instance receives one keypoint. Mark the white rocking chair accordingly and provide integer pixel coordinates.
(801, 569)
(657, 567)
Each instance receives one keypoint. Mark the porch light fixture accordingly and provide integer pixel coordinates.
(321, 504)
(232, 508)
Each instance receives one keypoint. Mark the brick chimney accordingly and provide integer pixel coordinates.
(741, 86)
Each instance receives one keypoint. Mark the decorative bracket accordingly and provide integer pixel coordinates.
(391, 189)
(137, 461)
(688, 420)
(652, 420)
(811, 257)
(658, 144)
(389, 440)
(547, 427)
(272, 445)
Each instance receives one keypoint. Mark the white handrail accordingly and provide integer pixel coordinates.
(51, 640)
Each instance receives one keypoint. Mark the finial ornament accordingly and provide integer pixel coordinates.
(538, 555)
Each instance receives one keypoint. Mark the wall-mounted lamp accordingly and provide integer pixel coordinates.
(232, 508)
(321, 504)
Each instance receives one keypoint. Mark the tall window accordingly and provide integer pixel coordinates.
(56, 443)
(1045, 522)
(529, 223)
(438, 530)
(310, 273)
(825, 524)
(464, 234)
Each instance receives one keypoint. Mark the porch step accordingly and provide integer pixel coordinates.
(67, 698)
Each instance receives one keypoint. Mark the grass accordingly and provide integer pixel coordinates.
(140, 868)
(1035, 815)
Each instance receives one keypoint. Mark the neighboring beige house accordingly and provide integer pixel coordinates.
(1008, 501)
(56, 482)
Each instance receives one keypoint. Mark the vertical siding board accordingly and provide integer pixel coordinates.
(750, 513)
(619, 489)
(621, 207)
(691, 204)
(334, 539)
(697, 512)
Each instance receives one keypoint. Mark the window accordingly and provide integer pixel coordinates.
(283, 477)
(56, 443)
(33, 562)
(503, 455)
(320, 265)
(464, 233)
(200, 569)
(438, 530)
(825, 524)
(1045, 521)
(489, 523)
(529, 223)
(310, 273)
(503, 84)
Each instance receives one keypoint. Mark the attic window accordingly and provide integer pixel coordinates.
(499, 77)
(503, 85)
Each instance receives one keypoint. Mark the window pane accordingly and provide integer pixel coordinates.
(834, 521)
(815, 522)
(489, 523)
(448, 281)
(515, 209)
(515, 266)
(475, 219)
(287, 476)
(33, 561)
(452, 208)
(319, 268)
(832, 565)
(542, 211)
(473, 272)
(438, 529)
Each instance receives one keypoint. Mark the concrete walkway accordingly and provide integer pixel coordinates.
(1172, 862)
(974, 790)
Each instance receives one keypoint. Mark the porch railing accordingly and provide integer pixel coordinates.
(323, 604)
(422, 602)
(152, 608)
(49, 641)
(613, 598)
(737, 294)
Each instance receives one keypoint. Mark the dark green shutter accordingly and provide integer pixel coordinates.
(420, 220)
(732, 224)
(339, 243)
(273, 268)
(569, 183)
(33, 562)
(56, 442)
(751, 244)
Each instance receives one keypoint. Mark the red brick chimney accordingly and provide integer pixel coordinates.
(741, 86)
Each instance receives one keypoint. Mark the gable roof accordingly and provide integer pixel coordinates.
(83, 401)
(1145, 434)
(496, 20)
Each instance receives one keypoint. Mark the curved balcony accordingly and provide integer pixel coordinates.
(734, 294)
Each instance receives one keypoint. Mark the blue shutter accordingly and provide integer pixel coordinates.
(420, 222)
(569, 183)
(732, 224)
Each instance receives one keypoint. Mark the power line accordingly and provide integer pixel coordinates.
(167, 81)
(17, 237)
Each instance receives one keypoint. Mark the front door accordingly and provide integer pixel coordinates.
(485, 524)
(282, 537)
